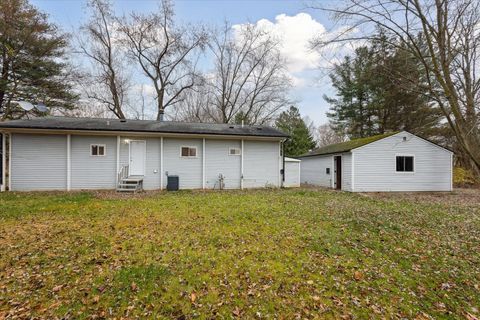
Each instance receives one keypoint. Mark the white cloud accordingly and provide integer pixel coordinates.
(307, 68)
(295, 34)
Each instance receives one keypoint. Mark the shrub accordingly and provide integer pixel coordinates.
(464, 178)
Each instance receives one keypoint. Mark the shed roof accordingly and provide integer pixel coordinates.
(147, 126)
(347, 145)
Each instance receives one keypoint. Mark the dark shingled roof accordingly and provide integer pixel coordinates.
(348, 145)
(148, 126)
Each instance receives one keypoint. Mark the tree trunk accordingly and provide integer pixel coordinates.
(161, 107)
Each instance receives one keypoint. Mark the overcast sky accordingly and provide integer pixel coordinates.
(290, 20)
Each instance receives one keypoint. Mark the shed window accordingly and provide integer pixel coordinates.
(405, 163)
(189, 152)
(97, 150)
(234, 151)
(327, 171)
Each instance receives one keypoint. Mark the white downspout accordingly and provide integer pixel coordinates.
(203, 165)
(4, 161)
(333, 175)
(10, 162)
(118, 162)
(161, 163)
(353, 172)
(69, 162)
(280, 182)
(241, 165)
(451, 172)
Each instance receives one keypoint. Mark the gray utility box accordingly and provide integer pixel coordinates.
(173, 183)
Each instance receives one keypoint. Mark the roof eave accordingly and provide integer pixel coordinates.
(326, 154)
(138, 133)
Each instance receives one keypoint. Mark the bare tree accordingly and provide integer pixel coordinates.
(84, 109)
(325, 135)
(110, 84)
(444, 36)
(195, 105)
(249, 81)
(165, 52)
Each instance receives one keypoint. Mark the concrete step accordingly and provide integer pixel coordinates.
(133, 179)
(126, 190)
(128, 185)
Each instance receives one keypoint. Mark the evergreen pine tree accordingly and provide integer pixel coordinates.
(301, 140)
(32, 60)
(374, 96)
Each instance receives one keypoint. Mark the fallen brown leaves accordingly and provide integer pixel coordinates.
(262, 254)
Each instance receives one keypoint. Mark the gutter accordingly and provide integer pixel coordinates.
(142, 133)
(139, 131)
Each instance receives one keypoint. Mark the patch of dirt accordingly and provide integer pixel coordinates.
(461, 196)
(111, 194)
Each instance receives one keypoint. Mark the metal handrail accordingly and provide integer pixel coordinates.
(122, 174)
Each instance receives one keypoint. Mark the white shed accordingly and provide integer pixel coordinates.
(292, 173)
(398, 161)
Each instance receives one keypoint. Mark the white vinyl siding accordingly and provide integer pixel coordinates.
(93, 172)
(292, 174)
(313, 171)
(375, 165)
(152, 166)
(346, 171)
(218, 161)
(188, 169)
(39, 162)
(261, 164)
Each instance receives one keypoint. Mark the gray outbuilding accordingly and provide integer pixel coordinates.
(397, 161)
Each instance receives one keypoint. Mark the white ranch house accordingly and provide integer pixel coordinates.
(399, 161)
(58, 153)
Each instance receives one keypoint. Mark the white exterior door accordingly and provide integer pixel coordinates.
(137, 158)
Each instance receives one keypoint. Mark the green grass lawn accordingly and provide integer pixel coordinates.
(302, 253)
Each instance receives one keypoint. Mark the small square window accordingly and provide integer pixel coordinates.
(405, 164)
(327, 171)
(97, 150)
(234, 151)
(189, 152)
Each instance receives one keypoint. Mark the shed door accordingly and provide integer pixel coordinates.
(338, 172)
(137, 158)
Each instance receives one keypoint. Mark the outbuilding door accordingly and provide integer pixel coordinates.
(338, 172)
(137, 157)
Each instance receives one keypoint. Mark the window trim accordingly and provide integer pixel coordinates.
(235, 154)
(405, 155)
(98, 145)
(189, 157)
